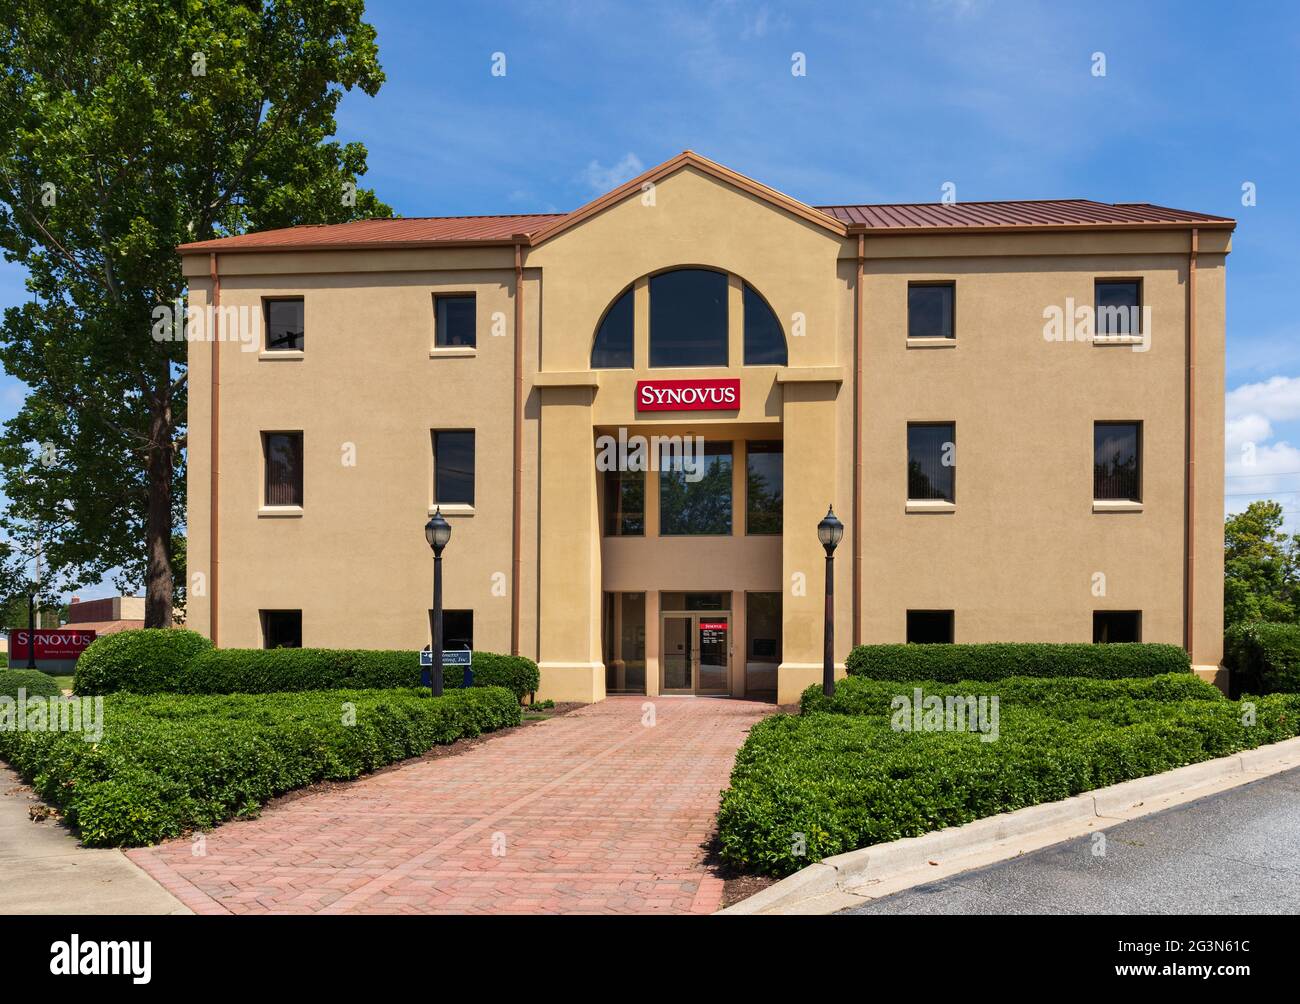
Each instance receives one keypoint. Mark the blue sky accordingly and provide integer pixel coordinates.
(998, 98)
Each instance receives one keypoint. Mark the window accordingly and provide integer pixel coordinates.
(284, 326)
(764, 463)
(457, 630)
(282, 459)
(929, 627)
(281, 628)
(1117, 461)
(762, 641)
(1118, 307)
(930, 309)
(1116, 626)
(613, 345)
(453, 468)
(453, 322)
(931, 461)
(624, 503)
(688, 318)
(764, 339)
(623, 642)
(695, 496)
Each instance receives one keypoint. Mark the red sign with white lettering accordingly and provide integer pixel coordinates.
(51, 643)
(687, 395)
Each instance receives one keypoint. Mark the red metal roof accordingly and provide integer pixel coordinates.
(430, 231)
(1045, 213)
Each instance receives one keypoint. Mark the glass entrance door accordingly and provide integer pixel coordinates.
(696, 653)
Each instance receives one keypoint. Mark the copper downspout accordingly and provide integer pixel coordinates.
(516, 518)
(856, 529)
(1190, 543)
(214, 447)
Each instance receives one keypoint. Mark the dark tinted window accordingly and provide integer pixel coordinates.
(613, 345)
(453, 468)
(282, 458)
(1116, 626)
(624, 503)
(930, 310)
(763, 627)
(764, 472)
(454, 321)
(1117, 461)
(457, 630)
(764, 339)
(1118, 307)
(931, 462)
(282, 629)
(284, 327)
(701, 507)
(688, 318)
(929, 627)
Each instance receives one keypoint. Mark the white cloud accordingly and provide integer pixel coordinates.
(1276, 399)
(1246, 429)
(602, 179)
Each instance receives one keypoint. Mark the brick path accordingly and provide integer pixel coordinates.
(596, 812)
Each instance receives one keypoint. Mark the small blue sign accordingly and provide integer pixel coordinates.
(450, 657)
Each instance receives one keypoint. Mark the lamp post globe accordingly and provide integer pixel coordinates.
(829, 532)
(437, 532)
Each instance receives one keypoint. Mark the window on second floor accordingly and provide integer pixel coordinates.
(699, 507)
(453, 467)
(284, 325)
(282, 461)
(454, 321)
(1117, 461)
(931, 308)
(931, 462)
(764, 471)
(688, 318)
(625, 503)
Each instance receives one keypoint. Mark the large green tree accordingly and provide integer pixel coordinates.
(1261, 567)
(128, 127)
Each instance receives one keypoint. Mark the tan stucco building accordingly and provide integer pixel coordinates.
(844, 355)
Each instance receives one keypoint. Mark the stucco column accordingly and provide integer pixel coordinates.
(810, 484)
(569, 531)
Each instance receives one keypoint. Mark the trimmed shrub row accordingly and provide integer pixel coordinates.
(948, 663)
(32, 681)
(179, 661)
(1264, 657)
(167, 764)
(829, 783)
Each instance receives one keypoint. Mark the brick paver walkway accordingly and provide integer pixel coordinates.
(591, 812)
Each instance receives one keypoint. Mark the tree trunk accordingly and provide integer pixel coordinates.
(158, 522)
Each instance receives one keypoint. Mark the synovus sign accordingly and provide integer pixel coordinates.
(687, 395)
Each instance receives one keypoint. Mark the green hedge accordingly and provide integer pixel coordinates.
(179, 661)
(949, 663)
(32, 681)
(141, 661)
(1264, 657)
(847, 780)
(167, 763)
(261, 671)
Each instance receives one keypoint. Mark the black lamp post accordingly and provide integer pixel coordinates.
(829, 532)
(437, 532)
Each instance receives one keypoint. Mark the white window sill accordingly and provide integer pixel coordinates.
(280, 354)
(930, 505)
(1105, 340)
(454, 509)
(1116, 505)
(932, 343)
(279, 511)
(453, 352)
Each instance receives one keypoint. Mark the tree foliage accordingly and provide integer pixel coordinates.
(1261, 567)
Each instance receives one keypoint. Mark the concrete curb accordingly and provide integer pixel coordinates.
(882, 869)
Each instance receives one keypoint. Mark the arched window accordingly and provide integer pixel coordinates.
(688, 318)
(613, 345)
(764, 339)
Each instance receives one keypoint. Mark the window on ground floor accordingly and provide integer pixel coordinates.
(762, 641)
(281, 628)
(1116, 626)
(929, 627)
(623, 642)
(457, 629)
